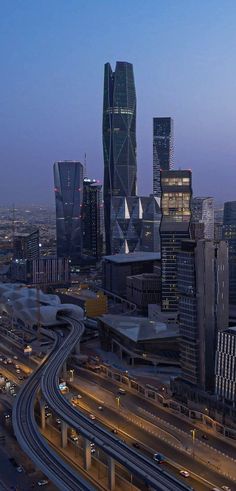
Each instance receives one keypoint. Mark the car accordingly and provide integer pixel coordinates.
(79, 396)
(58, 421)
(43, 482)
(19, 468)
(48, 414)
(121, 391)
(20, 377)
(13, 394)
(1, 358)
(74, 438)
(184, 473)
(92, 416)
(15, 357)
(17, 370)
(215, 489)
(100, 408)
(7, 416)
(5, 362)
(136, 445)
(226, 488)
(17, 366)
(204, 436)
(158, 457)
(114, 430)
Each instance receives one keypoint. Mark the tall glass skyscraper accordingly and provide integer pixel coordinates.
(119, 137)
(68, 181)
(162, 150)
(229, 234)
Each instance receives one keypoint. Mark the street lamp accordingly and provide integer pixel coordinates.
(193, 432)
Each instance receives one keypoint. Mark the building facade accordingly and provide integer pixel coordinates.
(143, 289)
(26, 246)
(162, 150)
(203, 213)
(229, 234)
(176, 187)
(45, 271)
(202, 269)
(119, 137)
(92, 218)
(225, 383)
(68, 182)
(135, 224)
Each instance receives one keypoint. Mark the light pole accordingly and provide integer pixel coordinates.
(193, 432)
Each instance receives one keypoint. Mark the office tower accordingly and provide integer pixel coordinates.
(68, 181)
(229, 234)
(119, 138)
(203, 213)
(176, 188)
(44, 271)
(225, 383)
(202, 269)
(135, 223)
(26, 246)
(92, 218)
(162, 150)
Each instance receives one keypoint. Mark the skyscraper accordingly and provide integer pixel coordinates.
(162, 150)
(119, 137)
(203, 213)
(202, 270)
(92, 218)
(229, 234)
(176, 191)
(68, 181)
(26, 246)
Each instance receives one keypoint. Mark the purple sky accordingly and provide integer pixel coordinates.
(51, 87)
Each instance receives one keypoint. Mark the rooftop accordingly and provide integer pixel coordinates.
(133, 257)
(139, 328)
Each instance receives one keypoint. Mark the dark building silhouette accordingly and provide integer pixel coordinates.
(68, 181)
(26, 245)
(229, 234)
(202, 271)
(162, 150)
(176, 188)
(119, 137)
(92, 218)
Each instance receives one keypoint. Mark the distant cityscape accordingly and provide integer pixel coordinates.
(118, 315)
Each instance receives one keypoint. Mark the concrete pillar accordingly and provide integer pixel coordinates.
(77, 348)
(64, 434)
(87, 454)
(42, 415)
(111, 474)
(64, 371)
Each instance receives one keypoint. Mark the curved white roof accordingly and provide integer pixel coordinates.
(22, 303)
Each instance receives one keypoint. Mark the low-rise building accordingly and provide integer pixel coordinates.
(117, 268)
(143, 289)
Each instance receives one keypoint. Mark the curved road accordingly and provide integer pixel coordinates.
(139, 465)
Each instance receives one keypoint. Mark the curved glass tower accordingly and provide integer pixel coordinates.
(68, 181)
(119, 137)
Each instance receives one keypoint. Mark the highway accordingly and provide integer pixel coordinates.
(138, 464)
(32, 442)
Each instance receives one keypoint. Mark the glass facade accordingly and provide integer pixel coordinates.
(175, 227)
(119, 137)
(68, 181)
(162, 150)
(92, 218)
(229, 234)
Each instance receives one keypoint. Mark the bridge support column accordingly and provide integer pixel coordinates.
(77, 348)
(111, 474)
(42, 413)
(64, 434)
(87, 454)
(64, 371)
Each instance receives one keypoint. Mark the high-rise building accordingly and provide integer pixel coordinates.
(162, 150)
(225, 383)
(229, 234)
(203, 212)
(176, 188)
(68, 181)
(26, 245)
(119, 138)
(92, 218)
(44, 271)
(202, 269)
(135, 223)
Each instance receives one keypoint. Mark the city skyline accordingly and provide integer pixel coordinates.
(52, 89)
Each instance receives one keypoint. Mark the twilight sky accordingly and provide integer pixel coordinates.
(51, 87)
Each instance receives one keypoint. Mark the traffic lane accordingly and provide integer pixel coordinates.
(116, 420)
(218, 443)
